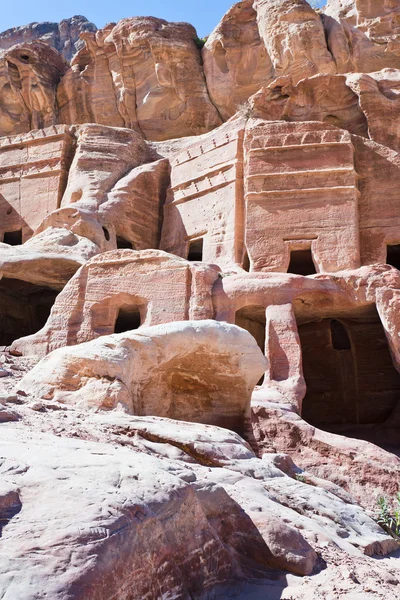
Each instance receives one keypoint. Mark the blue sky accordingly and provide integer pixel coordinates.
(203, 14)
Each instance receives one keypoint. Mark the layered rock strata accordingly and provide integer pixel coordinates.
(199, 300)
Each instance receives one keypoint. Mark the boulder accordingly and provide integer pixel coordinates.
(199, 371)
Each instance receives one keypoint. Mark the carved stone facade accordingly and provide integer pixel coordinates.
(33, 176)
(206, 249)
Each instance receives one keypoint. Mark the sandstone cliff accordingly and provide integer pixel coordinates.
(199, 306)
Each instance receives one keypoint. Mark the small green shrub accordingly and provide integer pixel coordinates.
(200, 42)
(389, 515)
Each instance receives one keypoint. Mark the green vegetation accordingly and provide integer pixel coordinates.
(200, 41)
(389, 515)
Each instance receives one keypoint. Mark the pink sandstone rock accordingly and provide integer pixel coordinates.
(125, 299)
(325, 98)
(33, 172)
(236, 63)
(293, 35)
(162, 93)
(152, 372)
(29, 74)
(363, 35)
(360, 468)
(63, 36)
(300, 181)
(204, 216)
(140, 217)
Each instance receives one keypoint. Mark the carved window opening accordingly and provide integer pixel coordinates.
(196, 250)
(106, 234)
(339, 336)
(13, 238)
(301, 262)
(352, 385)
(393, 256)
(123, 243)
(128, 319)
(24, 308)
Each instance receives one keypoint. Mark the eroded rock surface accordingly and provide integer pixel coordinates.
(63, 36)
(199, 306)
(158, 85)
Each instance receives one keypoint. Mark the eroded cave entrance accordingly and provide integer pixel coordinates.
(301, 262)
(128, 318)
(123, 243)
(24, 308)
(13, 238)
(253, 319)
(353, 387)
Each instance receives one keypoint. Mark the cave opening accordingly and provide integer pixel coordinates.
(253, 319)
(128, 319)
(353, 388)
(196, 250)
(13, 238)
(24, 308)
(393, 256)
(301, 262)
(122, 243)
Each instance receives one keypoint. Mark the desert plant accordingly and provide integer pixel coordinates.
(200, 41)
(389, 515)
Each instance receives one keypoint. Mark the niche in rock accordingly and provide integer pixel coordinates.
(301, 262)
(352, 385)
(24, 308)
(393, 256)
(128, 319)
(13, 238)
(123, 243)
(196, 250)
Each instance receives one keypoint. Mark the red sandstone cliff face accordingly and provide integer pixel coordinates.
(145, 74)
(199, 306)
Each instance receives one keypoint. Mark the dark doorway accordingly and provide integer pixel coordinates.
(301, 262)
(128, 319)
(196, 250)
(13, 238)
(339, 336)
(24, 308)
(393, 256)
(123, 243)
(352, 385)
(253, 319)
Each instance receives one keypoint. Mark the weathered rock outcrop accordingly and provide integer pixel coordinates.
(294, 37)
(29, 74)
(202, 372)
(145, 74)
(137, 288)
(236, 63)
(168, 279)
(363, 35)
(63, 36)
(154, 504)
